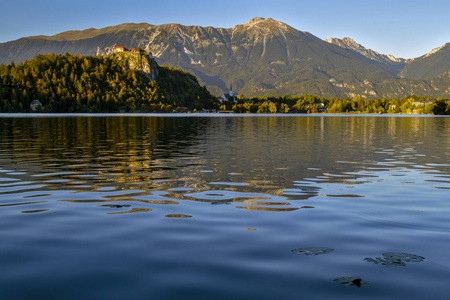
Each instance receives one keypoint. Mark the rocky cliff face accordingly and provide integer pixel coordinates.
(388, 62)
(349, 43)
(141, 62)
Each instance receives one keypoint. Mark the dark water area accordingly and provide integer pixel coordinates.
(229, 207)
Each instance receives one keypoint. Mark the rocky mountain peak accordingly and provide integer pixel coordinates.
(349, 43)
(254, 21)
(266, 24)
(436, 50)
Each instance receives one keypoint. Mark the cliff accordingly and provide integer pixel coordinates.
(140, 61)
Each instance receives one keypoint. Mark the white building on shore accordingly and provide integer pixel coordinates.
(228, 97)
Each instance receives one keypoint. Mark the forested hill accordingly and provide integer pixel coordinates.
(78, 84)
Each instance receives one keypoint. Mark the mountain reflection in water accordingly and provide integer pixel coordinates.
(129, 206)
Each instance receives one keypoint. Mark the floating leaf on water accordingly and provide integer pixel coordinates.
(312, 251)
(351, 281)
(250, 229)
(395, 259)
(307, 206)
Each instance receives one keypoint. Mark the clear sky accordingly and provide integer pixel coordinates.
(403, 28)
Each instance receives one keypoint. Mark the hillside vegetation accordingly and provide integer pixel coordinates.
(90, 84)
(75, 83)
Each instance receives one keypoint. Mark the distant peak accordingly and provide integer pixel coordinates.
(264, 22)
(349, 43)
(254, 21)
(344, 41)
(436, 50)
(267, 24)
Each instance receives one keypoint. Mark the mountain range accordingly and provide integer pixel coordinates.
(259, 58)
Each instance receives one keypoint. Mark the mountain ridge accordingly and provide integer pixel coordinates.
(349, 43)
(430, 65)
(260, 57)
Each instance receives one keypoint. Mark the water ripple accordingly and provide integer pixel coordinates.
(223, 195)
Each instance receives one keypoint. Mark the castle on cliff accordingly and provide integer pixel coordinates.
(123, 49)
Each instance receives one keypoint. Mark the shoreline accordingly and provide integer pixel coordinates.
(209, 115)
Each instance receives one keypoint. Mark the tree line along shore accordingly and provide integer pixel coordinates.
(103, 84)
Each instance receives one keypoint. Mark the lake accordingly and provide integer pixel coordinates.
(224, 207)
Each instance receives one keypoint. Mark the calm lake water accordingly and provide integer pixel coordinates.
(224, 207)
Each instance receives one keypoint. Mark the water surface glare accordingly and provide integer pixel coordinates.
(229, 207)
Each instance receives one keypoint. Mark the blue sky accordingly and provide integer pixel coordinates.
(399, 27)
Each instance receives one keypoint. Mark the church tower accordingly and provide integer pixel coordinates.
(231, 90)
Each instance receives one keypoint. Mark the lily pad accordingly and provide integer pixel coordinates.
(312, 251)
(395, 259)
